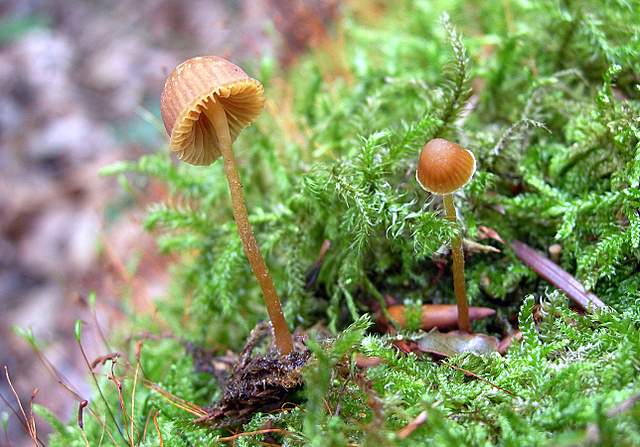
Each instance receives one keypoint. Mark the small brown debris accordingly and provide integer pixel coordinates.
(506, 342)
(103, 359)
(405, 346)
(442, 316)
(474, 247)
(489, 233)
(364, 362)
(412, 426)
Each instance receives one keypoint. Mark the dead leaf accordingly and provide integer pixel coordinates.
(452, 343)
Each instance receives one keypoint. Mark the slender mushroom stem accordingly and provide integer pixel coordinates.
(218, 118)
(459, 287)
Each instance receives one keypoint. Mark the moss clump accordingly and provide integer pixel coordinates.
(546, 95)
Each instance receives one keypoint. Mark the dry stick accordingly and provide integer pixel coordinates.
(28, 424)
(146, 426)
(175, 400)
(16, 414)
(155, 423)
(284, 341)
(123, 407)
(459, 287)
(33, 419)
(413, 425)
(133, 400)
(553, 273)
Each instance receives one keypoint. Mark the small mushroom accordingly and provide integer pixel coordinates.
(444, 168)
(205, 104)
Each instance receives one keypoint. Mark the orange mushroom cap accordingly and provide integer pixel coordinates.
(444, 167)
(192, 87)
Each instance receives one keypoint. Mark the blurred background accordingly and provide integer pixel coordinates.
(79, 89)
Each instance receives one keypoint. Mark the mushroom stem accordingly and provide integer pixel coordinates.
(459, 287)
(218, 118)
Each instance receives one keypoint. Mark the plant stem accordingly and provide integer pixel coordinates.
(284, 342)
(104, 400)
(459, 287)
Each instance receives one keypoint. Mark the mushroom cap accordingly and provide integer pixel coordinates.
(444, 167)
(192, 87)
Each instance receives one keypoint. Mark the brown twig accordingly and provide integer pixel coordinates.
(123, 408)
(175, 400)
(558, 277)
(406, 431)
(133, 400)
(28, 422)
(155, 423)
(146, 426)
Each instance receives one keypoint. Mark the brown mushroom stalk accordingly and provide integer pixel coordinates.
(459, 287)
(444, 168)
(205, 104)
(217, 116)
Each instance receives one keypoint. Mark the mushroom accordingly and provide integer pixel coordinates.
(444, 168)
(205, 104)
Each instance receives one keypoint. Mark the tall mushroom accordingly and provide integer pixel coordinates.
(205, 104)
(444, 168)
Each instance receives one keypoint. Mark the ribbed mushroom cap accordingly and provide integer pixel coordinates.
(190, 89)
(444, 167)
